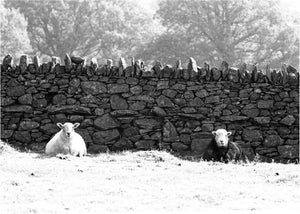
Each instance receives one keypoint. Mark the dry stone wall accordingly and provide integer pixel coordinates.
(136, 108)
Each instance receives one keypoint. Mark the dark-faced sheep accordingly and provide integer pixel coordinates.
(221, 148)
(66, 141)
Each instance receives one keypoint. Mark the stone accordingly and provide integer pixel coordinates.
(23, 63)
(15, 91)
(199, 145)
(75, 82)
(202, 93)
(93, 88)
(189, 110)
(121, 113)
(196, 102)
(49, 129)
(68, 63)
(283, 130)
(234, 118)
(265, 104)
(122, 66)
(192, 116)
(117, 102)
(169, 93)
(77, 60)
(137, 106)
(212, 99)
(159, 111)
(185, 138)
(7, 62)
(178, 147)
(39, 103)
(59, 99)
(273, 141)
(188, 95)
(6, 101)
(96, 148)
(163, 101)
(168, 72)
(136, 89)
(148, 124)
(178, 86)
(289, 151)
(106, 122)
(207, 127)
(88, 99)
(252, 135)
(292, 142)
(69, 109)
(22, 136)
(169, 132)
(76, 118)
(233, 75)
(106, 136)
(5, 134)
(288, 120)
(216, 74)
(28, 125)
(117, 88)
(162, 84)
(17, 108)
(180, 101)
(224, 68)
(262, 120)
(252, 113)
(59, 118)
(122, 144)
(25, 99)
(145, 144)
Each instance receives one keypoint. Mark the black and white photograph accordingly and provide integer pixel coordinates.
(149, 106)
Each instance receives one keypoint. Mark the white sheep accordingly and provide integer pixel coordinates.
(66, 141)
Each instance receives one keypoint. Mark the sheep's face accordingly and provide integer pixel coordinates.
(221, 137)
(68, 128)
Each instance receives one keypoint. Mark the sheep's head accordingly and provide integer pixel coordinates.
(68, 128)
(221, 137)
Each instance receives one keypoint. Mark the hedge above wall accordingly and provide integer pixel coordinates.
(133, 107)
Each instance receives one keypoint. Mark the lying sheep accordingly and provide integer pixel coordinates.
(222, 149)
(66, 141)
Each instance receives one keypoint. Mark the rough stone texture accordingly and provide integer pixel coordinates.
(147, 123)
(169, 132)
(163, 101)
(106, 136)
(16, 91)
(198, 146)
(26, 99)
(272, 141)
(117, 88)
(179, 147)
(145, 144)
(93, 87)
(252, 135)
(118, 102)
(28, 125)
(289, 151)
(106, 122)
(288, 120)
(128, 107)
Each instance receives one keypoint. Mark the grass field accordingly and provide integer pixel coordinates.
(144, 181)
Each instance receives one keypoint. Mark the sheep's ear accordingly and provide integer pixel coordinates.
(214, 133)
(60, 125)
(229, 133)
(76, 125)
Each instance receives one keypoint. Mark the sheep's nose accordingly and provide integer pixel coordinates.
(221, 141)
(68, 134)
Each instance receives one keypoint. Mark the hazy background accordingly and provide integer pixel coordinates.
(209, 30)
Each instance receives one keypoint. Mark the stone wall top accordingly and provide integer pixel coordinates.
(78, 65)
